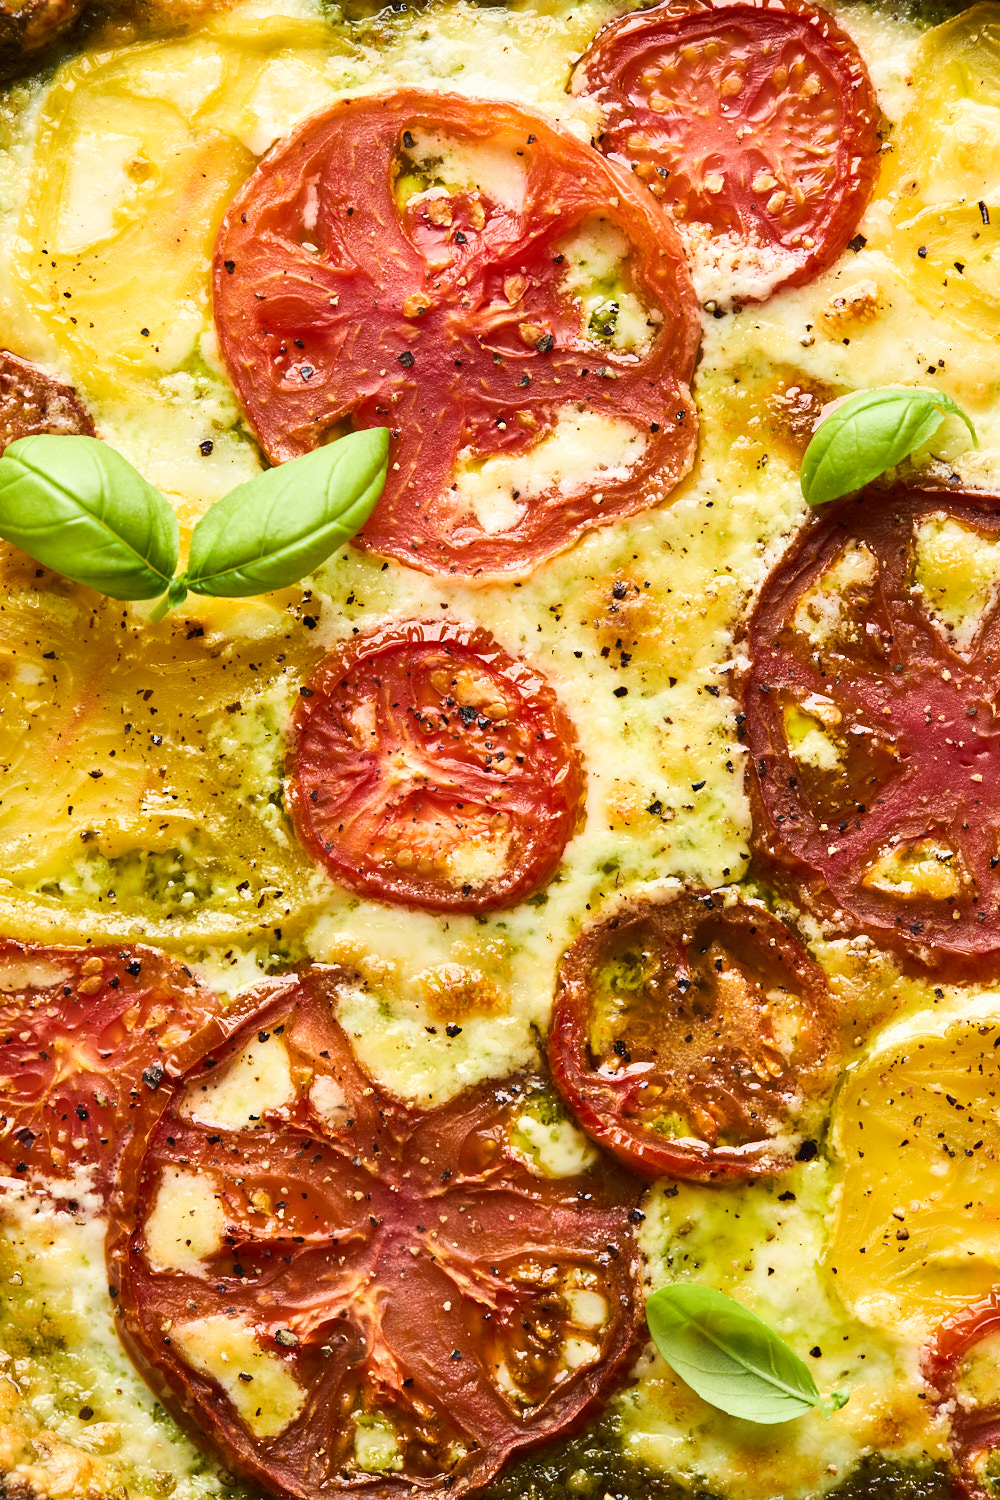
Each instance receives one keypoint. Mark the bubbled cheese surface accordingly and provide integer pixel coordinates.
(140, 768)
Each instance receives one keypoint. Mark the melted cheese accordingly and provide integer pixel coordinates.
(581, 449)
(256, 1083)
(60, 1359)
(260, 1385)
(957, 571)
(923, 868)
(185, 1224)
(496, 172)
(376, 1449)
(762, 1243)
(551, 1145)
(597, 278)
(397, 1041)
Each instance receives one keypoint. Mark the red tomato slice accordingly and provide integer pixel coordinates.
(87, 1037)
(450, 319)
(33, 401)
(974, 1423)
(425, 765)
(689, 1036)
(403, 1302)
(893, 820)
(753, 121)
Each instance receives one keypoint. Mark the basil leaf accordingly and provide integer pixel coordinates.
(732, 1358)
(76, 506)
(279, 526)
(869, 433)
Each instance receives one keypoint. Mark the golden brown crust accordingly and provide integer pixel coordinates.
(27, 28)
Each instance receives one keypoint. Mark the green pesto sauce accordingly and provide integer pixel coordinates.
(592, 1466)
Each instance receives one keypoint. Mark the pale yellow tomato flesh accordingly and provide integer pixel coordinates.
(916, 1232)
(139, 151)
(944, 171)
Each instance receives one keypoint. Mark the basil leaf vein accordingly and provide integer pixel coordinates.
(78, 507)
(730, 1357)
(870, 432)
(282, 524)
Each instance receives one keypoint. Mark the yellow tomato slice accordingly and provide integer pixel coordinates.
(950, 256)
(944, 172)
(139, 150)
(141, 768)
(916, 1232)
(947, 148)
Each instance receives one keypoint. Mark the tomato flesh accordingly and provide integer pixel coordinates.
(33, 401)
(427, 766)
(974, 1423)
(446, 315)
(757, 122)
(87, 1038)
(895, 822)
(688, 1034)
(430, 1302)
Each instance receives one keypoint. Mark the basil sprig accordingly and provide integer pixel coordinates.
(870, 432)
(730, 1357)
(79, 508)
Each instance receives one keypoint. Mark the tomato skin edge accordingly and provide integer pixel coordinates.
(648, 1160)
(940, 1359)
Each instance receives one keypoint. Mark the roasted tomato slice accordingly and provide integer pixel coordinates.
(690, 1036)
(87, 1037)
(871, 718)
(756, 123)
(962, 1364)
(32, 401)
(425, 765)
(513, 307)
(343, 1295)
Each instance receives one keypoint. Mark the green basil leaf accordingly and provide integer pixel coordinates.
(76, 506)
(869, 433)
(727, 1354)
(276, 528)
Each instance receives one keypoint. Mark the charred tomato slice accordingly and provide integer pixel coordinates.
(32, 400)
(87, 1038)
(427, 766)
(961, 1364)
(690, 1035)
(871, 724)
(755, 122)
(367, 275)
(341, 1294)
